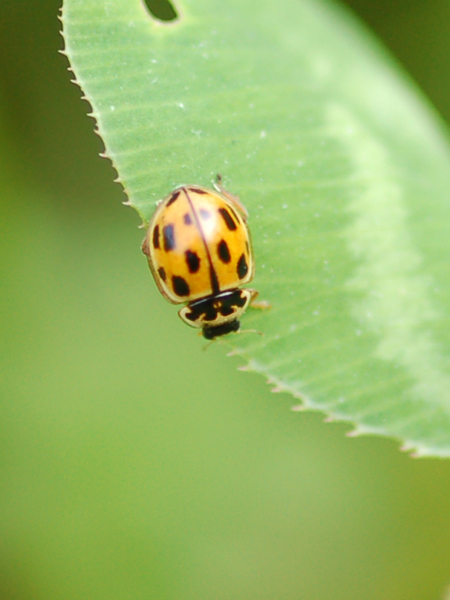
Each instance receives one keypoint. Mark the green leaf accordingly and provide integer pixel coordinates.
(343, 167)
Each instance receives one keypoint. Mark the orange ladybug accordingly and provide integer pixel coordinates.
(199, 250)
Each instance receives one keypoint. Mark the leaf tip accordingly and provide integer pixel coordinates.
(329, 419)
(359, 430)
(407, 447)
(233, 353)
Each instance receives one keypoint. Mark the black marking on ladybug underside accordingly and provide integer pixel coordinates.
(242, 267)
(226, 310)
(223, 251)
(198, 190)
(156, 237)
(229, 221)
(173, 197)
(187, 219)
(224, 304)
(205, 214)
(162, 273)
(169, 238)
(192, 261)
(180, 286)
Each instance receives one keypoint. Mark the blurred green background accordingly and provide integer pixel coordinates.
(135, 465)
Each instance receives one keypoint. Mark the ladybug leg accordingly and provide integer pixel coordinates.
(249, 331)
(259, 304)
(145, 249)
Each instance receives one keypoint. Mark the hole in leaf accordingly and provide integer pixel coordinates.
(161, 9)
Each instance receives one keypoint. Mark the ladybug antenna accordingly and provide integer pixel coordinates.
(208, 344)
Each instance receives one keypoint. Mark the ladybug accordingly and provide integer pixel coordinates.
(199, 250)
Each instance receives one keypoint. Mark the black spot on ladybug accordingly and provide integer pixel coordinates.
(240, 299)
(198, 190)
(226, 311)
(187, 219)
(156, 237)
(205, 214)
(162, 273)
(242, 267)
(223, 251)
(191, 316)
(180, 286)
(169, 238)
(192, 261)
(228, 219)
(173, 197)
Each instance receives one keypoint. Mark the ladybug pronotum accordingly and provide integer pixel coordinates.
(199, 250)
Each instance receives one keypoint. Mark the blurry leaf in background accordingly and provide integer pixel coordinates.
(418, 33)
(135, 470)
